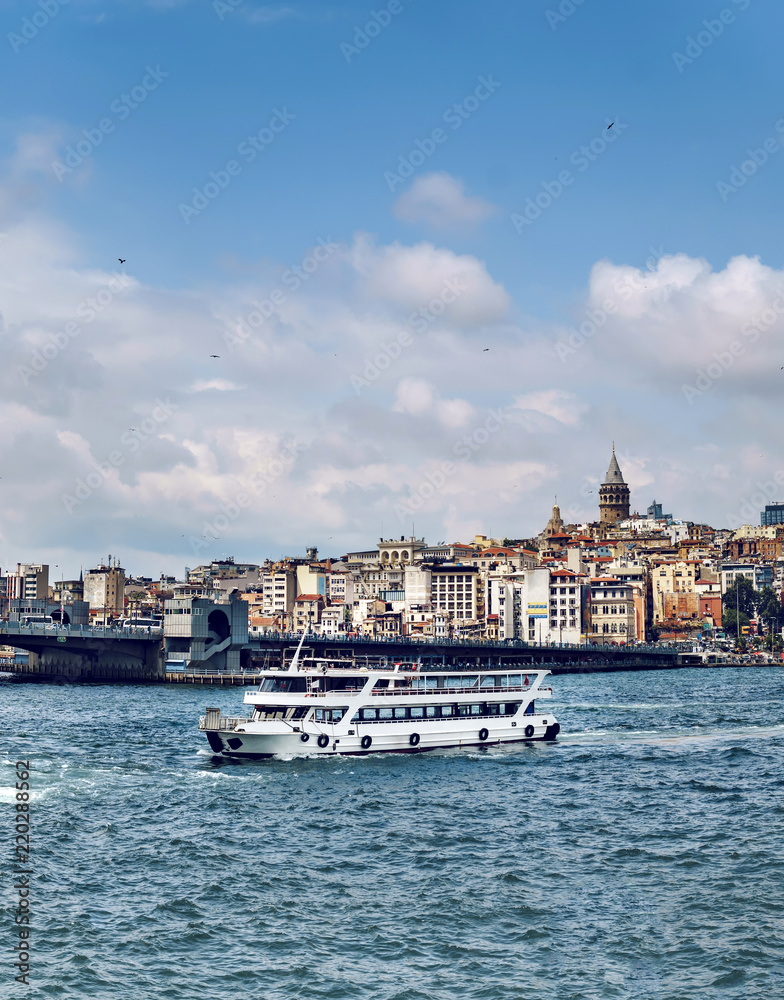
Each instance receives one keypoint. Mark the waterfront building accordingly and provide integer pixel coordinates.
(773, 514)
(30, 582)
(242, 575)
(454, 589)
(612, 611)
(104, 590)
(335, 621)
(673, 577)
(307, 612)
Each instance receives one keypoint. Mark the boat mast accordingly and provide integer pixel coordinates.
(295, 660)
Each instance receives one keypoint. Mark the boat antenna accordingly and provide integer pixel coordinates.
(295, 659)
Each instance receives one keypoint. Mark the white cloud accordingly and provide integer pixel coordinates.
(424, 276)
(440, 200)
(677, 318)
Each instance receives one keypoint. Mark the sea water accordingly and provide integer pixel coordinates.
(639, 856)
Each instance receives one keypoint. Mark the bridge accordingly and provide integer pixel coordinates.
(139, 655)
(85, 653)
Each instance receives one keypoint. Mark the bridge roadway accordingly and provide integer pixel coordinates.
(104, 655)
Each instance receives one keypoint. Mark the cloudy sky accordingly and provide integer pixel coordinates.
(437, 284)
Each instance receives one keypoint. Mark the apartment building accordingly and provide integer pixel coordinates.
(454, 589)
(612, 610)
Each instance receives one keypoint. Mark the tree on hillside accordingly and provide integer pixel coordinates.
(741, 596)
(769, 610)
(730, 621)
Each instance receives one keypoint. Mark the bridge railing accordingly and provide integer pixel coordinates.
(406, 640)
(11, 628)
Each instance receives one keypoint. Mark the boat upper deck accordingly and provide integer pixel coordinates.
(292, 685)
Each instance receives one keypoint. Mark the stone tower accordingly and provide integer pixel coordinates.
(555, 525)
(613, 495)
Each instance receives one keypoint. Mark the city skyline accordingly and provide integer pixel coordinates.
(368, 279)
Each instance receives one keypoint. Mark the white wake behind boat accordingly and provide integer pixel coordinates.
(325, 707)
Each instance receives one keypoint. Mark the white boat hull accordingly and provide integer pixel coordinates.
(257, 740)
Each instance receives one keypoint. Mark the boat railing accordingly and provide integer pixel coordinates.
(456, 690)
(224, 723)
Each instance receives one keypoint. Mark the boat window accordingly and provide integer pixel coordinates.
(282, 684)
(489, 682)
(300, 712)
(529, 709)
(447, 710)
(463, 709)
(431, 711)
(385, 713)
(515, 680)
(417, 712)
(337, 714)
(369, 713)
(319, 715)
(476, 710)
(492, 709)
(400, 713)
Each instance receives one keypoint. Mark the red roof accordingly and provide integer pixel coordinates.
(310, 597)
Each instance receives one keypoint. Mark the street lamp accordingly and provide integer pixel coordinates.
(62, 594)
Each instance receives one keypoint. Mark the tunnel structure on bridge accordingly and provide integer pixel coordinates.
(204, 633)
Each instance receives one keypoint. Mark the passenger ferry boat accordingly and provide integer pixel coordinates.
(325, 707)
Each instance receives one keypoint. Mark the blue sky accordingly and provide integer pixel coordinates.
(680, 129)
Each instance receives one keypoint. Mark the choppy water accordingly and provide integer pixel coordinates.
(641, 856)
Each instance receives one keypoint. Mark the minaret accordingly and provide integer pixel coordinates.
(613, 495)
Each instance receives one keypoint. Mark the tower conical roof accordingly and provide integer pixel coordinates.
(614, 475)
